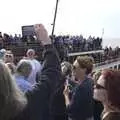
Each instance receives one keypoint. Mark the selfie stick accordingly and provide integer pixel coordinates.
(54, 19)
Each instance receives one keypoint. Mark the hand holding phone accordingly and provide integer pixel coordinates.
(42, 34)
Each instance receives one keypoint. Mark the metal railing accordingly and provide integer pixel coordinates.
(107, 62)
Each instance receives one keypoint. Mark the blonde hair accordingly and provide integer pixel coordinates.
(12, 100)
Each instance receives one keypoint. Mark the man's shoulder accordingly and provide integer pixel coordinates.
(36, 61)
(88, 81)
(86, 86)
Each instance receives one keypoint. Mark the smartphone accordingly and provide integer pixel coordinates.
(69, 85)
(28, 30)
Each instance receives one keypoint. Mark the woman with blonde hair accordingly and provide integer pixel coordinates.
(12, 100)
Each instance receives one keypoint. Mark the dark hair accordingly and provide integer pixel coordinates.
(112, 85)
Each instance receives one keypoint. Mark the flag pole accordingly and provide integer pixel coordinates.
(102, 36)
(54, 21)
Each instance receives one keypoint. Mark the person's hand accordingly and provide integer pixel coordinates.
(66, 90)
(42, 34)
(66, 95)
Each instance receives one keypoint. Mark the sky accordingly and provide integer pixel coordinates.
(75, 17)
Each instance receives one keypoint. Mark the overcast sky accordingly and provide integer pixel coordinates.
(87, 17)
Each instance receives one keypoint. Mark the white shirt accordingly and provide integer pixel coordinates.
(36, 67)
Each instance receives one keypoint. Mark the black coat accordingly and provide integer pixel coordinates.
(39, 98)
(58, 109)
(81, 105)
(98, 108)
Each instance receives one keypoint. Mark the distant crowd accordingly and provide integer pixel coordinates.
(68, 43)
(17, 40)
(111, 53)
(78, 43)
(64, 44)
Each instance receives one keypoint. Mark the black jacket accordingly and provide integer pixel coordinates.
(81, 105)
(58, 109)
(39, 98)
(98, 108)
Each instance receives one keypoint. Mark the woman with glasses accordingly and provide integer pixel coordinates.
(107, 90)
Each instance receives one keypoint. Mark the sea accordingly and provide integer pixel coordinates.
(113, 42)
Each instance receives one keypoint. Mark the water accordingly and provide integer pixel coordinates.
(111, 42)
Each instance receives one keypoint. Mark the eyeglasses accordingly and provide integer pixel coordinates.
(8, 56)
(97, 86)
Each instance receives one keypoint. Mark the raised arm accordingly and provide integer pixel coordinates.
(49, 78)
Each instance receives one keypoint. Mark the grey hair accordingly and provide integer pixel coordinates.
(30, 51)
(12, 99)
(24, 68)
(66, 68)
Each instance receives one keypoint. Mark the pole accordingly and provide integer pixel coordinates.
(102, 32)
(102, 36)
(54, 19)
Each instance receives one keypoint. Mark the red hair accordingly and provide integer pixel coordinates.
(112, 85)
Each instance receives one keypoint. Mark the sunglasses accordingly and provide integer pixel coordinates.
(74, 67)
(97, 86)
(8, 56)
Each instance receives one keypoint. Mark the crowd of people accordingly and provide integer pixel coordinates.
(16, 40)
(55, 90)
(110, 53)
(78, 43)
(64, 45)
(68, 43)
